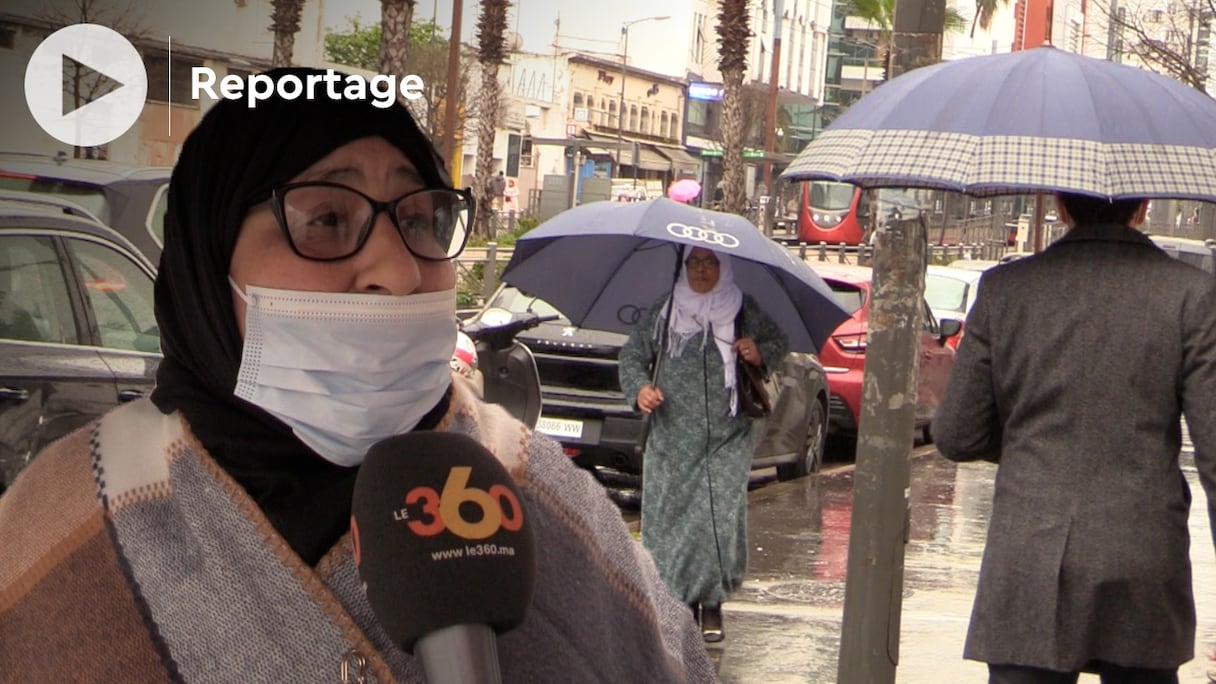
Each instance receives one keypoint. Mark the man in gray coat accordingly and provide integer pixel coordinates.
(1075, 370)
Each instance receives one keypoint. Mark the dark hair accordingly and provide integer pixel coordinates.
(1087, 209)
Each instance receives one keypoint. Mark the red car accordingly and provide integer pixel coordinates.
(844, 355)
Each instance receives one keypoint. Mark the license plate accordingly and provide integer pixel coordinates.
(560, 427)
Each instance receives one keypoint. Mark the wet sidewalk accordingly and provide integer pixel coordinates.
(784, 623)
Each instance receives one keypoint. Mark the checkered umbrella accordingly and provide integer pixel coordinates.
(1037, 120)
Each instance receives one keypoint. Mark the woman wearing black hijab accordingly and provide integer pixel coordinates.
(307, 310)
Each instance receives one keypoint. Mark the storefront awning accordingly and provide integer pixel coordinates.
(650, 159)
(681, 161)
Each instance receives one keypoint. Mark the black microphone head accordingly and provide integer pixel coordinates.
(440, 537)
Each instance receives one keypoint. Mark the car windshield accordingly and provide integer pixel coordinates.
(945, 294)
(831, 196)
(515, 301)
(850, 297)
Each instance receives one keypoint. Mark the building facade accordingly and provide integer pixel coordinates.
(228, 37)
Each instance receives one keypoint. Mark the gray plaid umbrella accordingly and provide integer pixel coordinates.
(1037, 120)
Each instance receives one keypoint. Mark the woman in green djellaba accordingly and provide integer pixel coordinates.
(699, 451)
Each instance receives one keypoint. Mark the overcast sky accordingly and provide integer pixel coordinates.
(532, 19)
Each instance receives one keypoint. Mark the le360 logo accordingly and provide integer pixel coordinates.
(446, 510)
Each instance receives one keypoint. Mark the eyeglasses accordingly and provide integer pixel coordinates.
(701, 264)
(327, 221)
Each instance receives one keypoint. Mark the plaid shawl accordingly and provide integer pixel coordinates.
(129, 555)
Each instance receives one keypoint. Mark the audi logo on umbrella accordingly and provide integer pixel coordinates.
(707, 235)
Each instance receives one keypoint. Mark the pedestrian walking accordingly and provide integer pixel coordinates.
(1077, 366)
(498, 187)
(699, 450)
(510, 196)
(306, 306)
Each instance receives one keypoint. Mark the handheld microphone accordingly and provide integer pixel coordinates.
(445, 553)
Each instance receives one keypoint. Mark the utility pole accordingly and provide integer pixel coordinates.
(624, 66)
(770, 129)
(878, 533)
(452, 95)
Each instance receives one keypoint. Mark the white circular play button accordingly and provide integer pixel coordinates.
(86, 85)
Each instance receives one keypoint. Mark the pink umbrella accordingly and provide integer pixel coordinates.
(684, 190)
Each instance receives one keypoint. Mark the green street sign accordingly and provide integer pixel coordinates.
(748, 153)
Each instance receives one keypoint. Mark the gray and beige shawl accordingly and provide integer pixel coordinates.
(128, 555)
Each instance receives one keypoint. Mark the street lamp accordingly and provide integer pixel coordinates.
(620, 122)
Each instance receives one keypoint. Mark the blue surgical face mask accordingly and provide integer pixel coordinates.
(344, 370)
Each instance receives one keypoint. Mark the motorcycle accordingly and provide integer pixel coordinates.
(505, 369)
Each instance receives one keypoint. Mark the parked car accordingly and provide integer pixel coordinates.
(844, 355)
(130, 199)
(584, 409)
(78, 333)
(1198, 253)
(951, 293)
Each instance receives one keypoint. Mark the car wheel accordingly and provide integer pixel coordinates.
(811, 458)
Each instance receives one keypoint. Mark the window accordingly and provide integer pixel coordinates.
(525, 153)
(612, 114)
(34, 304)
(162, 88)
(514, 141)
(8, 36)
(929, 321)
(672, 131)
(633, 117)
(156, 215)
(663, 125)
(120, 295)
(645, 120)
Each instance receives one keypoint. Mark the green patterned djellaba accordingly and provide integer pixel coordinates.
(697, 460)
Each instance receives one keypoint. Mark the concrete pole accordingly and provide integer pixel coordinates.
(616, 172)
(869, 639)
(770, 129)
(452, 96)
(878, 533)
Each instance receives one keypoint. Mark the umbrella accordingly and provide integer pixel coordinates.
(684, 190)
(1030, 121)
(603, 264)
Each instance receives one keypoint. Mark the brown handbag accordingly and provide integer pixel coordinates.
(754, 401)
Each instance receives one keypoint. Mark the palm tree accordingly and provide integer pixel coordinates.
(733, 35)
(395, 19)
(984, 11)
(285, 23)
(881, 14)
(491, 51)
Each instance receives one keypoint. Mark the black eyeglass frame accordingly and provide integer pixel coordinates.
(278, 200)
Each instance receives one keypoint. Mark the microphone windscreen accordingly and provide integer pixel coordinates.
(440, 537)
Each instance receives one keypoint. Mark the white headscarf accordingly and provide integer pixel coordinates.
(696, 312)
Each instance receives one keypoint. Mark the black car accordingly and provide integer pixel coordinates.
(584, 409)
(78, 333)
(130, 199)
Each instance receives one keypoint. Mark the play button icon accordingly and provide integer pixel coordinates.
(85, 85)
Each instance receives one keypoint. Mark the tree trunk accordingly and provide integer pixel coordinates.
(395, 19)
(286, 22)
(734, 197)
(488, 103)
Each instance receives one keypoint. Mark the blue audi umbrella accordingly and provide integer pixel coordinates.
(603, 264)
(1032, 121)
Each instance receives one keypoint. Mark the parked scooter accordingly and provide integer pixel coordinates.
(507, 369)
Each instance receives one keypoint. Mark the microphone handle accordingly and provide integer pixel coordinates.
(460, 654)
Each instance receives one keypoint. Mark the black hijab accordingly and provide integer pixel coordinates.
(230, 162)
